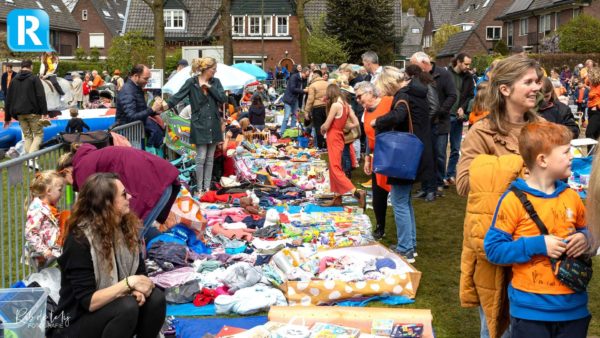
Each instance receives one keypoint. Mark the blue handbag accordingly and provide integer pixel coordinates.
(398, 154)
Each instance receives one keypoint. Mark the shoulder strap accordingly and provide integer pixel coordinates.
(530, 209)
(410, 125)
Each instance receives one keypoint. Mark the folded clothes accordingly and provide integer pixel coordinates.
(250, 300)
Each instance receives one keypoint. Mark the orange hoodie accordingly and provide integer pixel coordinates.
(594, 97)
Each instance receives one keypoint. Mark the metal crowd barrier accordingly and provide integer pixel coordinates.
(16, 176)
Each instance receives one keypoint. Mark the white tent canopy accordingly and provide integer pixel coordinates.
(231, 78)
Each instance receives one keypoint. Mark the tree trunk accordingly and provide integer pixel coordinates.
(159, 32)
(225, 12)
(303, 33)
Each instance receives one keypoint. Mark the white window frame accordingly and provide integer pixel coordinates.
(106, 13)
(95, 40)
(427, 41)
(287, 26)
(487, 37)
(56, 9)
(169, 18)
(510, 29)
(415, 30)
(252, 25)
(576, 12)
(486, 3)
(121, 16)
(466, 27)
(84, 15)
(544, 20)
(556, 21)
(521, 22)
(233, 31)
(267, 28)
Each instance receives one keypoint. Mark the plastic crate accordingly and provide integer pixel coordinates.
(23, 312)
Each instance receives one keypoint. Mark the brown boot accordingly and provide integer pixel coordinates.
(335, 202)
(361, 195)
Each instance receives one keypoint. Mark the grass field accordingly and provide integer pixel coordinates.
(439, 242)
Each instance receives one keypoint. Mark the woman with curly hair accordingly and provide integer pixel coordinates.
(206, 94)
(104, 288)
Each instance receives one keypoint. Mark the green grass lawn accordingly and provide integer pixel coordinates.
(439, 243)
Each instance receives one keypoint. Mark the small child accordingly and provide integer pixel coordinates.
(42, 228)
(75, 124)
(540, 305)
(580, 95)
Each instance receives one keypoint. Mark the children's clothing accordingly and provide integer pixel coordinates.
(76, 125)
(42, 229)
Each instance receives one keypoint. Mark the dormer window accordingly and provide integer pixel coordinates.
(174, 19)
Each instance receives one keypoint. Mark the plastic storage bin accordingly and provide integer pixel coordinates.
(23, 312)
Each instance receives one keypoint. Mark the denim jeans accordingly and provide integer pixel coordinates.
(347, 159)
(484, 332)
(149, 232)
(205, 158)
(440, 145)
(456, 128)
(289, 111)
(404, 215)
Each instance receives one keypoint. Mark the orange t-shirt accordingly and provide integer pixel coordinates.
(385, 105)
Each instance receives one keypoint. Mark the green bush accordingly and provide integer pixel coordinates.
(94, 55)
(67, 66)
(171, 62)
(482, 61)
(80, 54)
(580, 35)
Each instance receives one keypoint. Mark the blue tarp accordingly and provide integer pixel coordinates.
(198, 327)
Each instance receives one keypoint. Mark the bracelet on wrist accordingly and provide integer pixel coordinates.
(127, 284)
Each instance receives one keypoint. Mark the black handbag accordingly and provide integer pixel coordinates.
(98, 138)
(575, 273)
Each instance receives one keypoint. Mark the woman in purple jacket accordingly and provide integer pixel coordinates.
(151, 181)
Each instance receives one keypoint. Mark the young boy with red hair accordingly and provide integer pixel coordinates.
(540, 305)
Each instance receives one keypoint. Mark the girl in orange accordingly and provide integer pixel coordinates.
(338, 112)
(479, 112)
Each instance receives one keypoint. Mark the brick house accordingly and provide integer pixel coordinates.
(100, 21)
(481, 30)
(528, 22)
(64, 30)
(187, 22)
(440, 12)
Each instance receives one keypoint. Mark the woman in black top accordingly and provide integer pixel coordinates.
(104, 290)
(257, 113)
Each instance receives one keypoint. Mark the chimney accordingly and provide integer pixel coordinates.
(459, 3)
(410, 12)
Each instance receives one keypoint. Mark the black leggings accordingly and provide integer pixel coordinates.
(57, 86)
(593, 128)
(124, 318)
(318, 118)
(380, 197)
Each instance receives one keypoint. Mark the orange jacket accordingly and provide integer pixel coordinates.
(594, 97)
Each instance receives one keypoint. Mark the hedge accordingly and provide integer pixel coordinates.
(67, 66)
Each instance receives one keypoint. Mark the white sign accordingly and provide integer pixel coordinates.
(156, 80)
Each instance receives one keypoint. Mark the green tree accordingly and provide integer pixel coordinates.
(501, 47)
(157, 7)
(94, 54)
(324, 48)
(128, 50)
(80, 54)
(441, 36)
(421, 6)
(363, 25)
(580, 35)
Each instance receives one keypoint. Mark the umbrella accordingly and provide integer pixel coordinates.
(251, 69)
(231, 78)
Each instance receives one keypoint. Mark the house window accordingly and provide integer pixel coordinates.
(121, 16)
(84, 14)
(254, 25)
(283, 25)
(174, 19)
(467, 27)
(96, 40)
(523, 26)
(427, 41)
(237, 25)
(493, 33)
(486, 3)
(576, 12)
(544, 25)
(415, 31)
(267, 25)
(106, 13)
(509, 34)
(56, 8)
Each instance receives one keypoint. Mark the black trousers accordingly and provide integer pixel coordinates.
(593, 127)
(532, 328)
(57, 86)
(318, 117)
(122, 318)
(380, 197)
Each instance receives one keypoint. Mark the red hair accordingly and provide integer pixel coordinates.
(540, 138)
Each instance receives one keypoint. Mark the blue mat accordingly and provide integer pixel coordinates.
(309, 208)
(189, 309)
(198, 327)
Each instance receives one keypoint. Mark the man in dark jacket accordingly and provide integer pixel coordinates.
(440, 124)
(26, 102)
(6, 78)
(464, 84)
(290, 98)
(131, 104)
